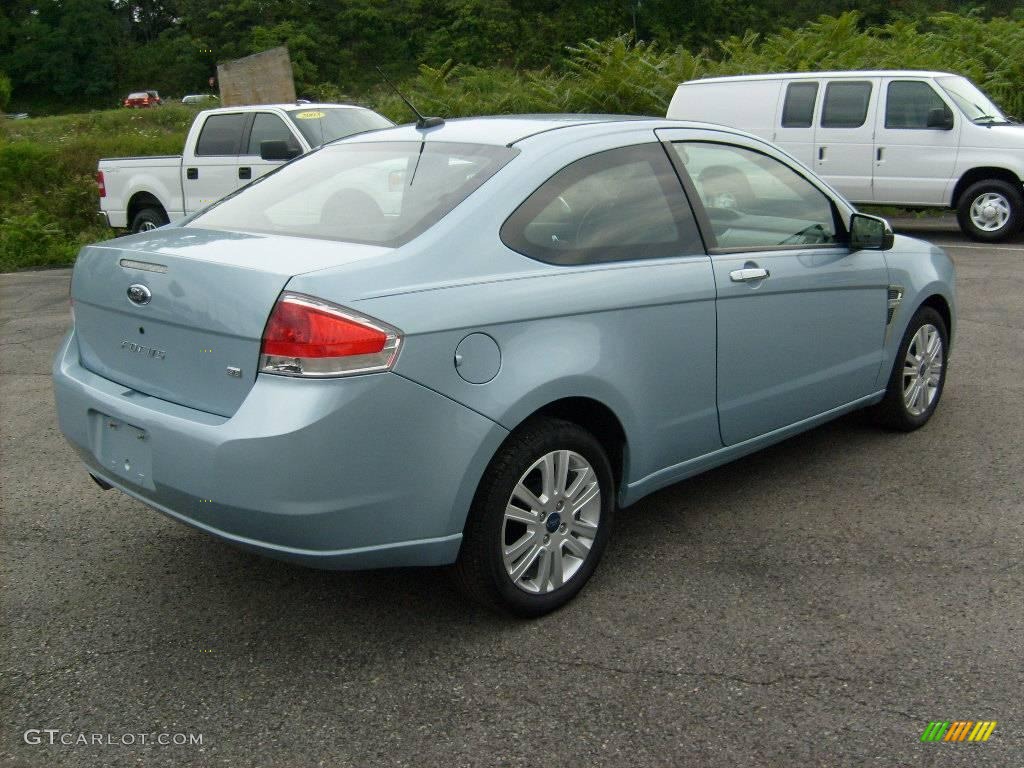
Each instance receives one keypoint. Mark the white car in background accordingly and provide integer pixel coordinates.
(886, 137)
(225, 149)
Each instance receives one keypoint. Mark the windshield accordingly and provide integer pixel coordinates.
(380, 193)
(971, 101)
(320, 125)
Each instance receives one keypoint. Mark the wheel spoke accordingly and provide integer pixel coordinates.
(512, 512)
(561, 470)
(526, 496)
(582, 477)
(547, 476)
(584, 528)
(592, 492)
(576, 547)
(556, 567)
(514, 551)
(525, 562)
(543, 570)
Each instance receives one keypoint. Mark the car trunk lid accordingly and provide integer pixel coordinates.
(191, 331)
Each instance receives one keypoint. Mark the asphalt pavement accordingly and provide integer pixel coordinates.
(816, 604)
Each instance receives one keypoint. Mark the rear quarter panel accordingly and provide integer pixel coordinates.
(125, 177)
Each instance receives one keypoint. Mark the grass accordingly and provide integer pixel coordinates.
(48, 199)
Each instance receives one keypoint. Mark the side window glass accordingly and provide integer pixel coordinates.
(221, 134)
(846, 105)
(613, 206)
(798, 108)
(753, 200)
(909, 102)
(267, 127)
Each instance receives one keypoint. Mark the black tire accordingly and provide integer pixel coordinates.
(1010, 193)
(480, 569)
(148, 216)
(893, 412)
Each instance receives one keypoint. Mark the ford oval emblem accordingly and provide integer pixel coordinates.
(139, 294)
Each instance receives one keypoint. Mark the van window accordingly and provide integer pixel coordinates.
(846, 105)
(798, 109)
(754, 201)
(613, 206)
(221, 134)
(908, 102)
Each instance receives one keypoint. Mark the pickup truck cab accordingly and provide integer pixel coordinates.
(908, 138)
(225, 149)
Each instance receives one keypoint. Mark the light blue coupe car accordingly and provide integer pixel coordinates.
(472, 343)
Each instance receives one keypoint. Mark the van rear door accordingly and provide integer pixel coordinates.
(844, 145)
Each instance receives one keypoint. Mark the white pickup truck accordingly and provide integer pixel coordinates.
(225, 149)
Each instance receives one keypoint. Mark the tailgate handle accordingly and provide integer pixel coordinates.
(191, 173)
(245, 172)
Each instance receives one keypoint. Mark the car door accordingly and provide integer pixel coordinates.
(916, 142)
(266, 126)
(801, 318)
(211, 167)
(844, 137)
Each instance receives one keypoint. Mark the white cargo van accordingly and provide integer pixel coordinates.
(888, 137)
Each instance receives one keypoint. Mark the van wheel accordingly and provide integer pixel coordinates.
(147, 219)
(991, 210)
(918, 374)
(540, 520)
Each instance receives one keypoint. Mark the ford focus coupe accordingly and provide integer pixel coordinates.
(473, 343)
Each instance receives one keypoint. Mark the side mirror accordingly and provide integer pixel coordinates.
(940, 118)
(869, 233)
(278, 149)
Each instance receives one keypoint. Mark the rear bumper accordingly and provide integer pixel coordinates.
(360, 472)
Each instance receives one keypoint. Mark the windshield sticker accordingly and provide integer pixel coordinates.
(310, 115)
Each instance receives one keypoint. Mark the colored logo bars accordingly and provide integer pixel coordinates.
(959, 730)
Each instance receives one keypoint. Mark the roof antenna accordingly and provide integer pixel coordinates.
(421, 120)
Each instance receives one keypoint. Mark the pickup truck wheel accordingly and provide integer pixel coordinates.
(991, 210)
(540, 520)
(147, 219)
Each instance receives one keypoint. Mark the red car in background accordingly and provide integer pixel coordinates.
(140, 99)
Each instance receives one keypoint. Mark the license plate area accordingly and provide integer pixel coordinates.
(123, 450)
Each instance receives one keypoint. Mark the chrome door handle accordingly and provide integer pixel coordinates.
(748, 274)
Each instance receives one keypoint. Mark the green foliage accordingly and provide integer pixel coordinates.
(47, 193)
(48, 198)
(5, 91)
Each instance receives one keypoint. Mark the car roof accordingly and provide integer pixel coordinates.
(507, 129)
(814, 75)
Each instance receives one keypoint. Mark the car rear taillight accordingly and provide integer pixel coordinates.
(306, 336)
(101, 183)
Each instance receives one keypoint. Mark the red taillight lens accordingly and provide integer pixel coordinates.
(101, 183)
(306, 336)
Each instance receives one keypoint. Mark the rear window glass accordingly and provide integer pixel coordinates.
(221, 134)
(320, 125)
(846, 105)
(379, 193)
(798, 109)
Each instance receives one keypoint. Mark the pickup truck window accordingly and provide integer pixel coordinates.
(846, 105)
(798, 109)
(221, 134)
(268, 127)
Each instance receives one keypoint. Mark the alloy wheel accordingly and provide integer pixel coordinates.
(922, 369)
(551, 521)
